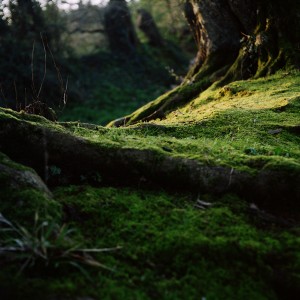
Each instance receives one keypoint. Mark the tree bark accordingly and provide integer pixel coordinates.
(215, 31)
(255, 37)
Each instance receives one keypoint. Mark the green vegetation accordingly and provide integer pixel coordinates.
(194, 195)
(113, 86)
(55, 57)
(170, 249)
(173, 245)
(245, 125)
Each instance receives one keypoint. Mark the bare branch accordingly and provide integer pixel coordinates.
(65, 96)
(32, 70)
(59, 76)
(16, 93)
(45, 67)
(2, 93)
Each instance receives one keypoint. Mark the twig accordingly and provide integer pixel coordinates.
(25, 97)
(246, 35)
(202, 204)
(2, 93)
(98, 250)
(16, 93)
(65, 92)
(230, 176)
(270, 218)
(32, 70)
(59, 76)
(45, 68)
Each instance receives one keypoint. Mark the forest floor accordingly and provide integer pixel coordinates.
(104, 86)
(201, 205)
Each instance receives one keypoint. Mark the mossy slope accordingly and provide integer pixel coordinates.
(170, 250)
(241, 139)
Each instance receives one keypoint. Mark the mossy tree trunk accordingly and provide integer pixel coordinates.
(250, 37)
(236, 39)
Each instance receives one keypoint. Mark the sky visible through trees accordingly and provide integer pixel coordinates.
(66, 4)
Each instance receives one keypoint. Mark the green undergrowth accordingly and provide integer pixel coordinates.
(112, 85)
(19, 197)
(170, 249)
(246, 125)
(20, 206)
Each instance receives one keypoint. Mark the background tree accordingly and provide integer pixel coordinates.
(119, 28)
(85, 40)
(85, 29)
(169, 18)
(26, 18)
(33, 50)
(146, 24)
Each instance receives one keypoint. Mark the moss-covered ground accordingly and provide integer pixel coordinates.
(179, 244)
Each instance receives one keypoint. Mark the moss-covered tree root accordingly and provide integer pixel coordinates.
(43, 146)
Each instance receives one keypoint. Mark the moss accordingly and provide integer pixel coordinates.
(158, 108)
(222, 129)
(4, 159)
(26, 203)
(23, 194)
(171, 248)
(8, 114)
(220, 125)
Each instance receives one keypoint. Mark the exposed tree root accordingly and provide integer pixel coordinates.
(77, 159)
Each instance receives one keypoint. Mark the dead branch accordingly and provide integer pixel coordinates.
(32, 70)
(45, 68)
(63, 87)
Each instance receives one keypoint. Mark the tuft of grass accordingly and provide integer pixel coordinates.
(46, 244)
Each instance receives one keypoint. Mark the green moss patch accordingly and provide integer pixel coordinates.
(242, 138)
(171, 249)
(23, 194)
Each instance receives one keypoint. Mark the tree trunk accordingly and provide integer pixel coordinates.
(146, 24)
(119, 28)
(254, 37)
(215, 31)
(27, 19)
(236, 39)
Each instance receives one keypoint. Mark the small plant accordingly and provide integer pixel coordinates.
(251, 151)
(47, 243)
